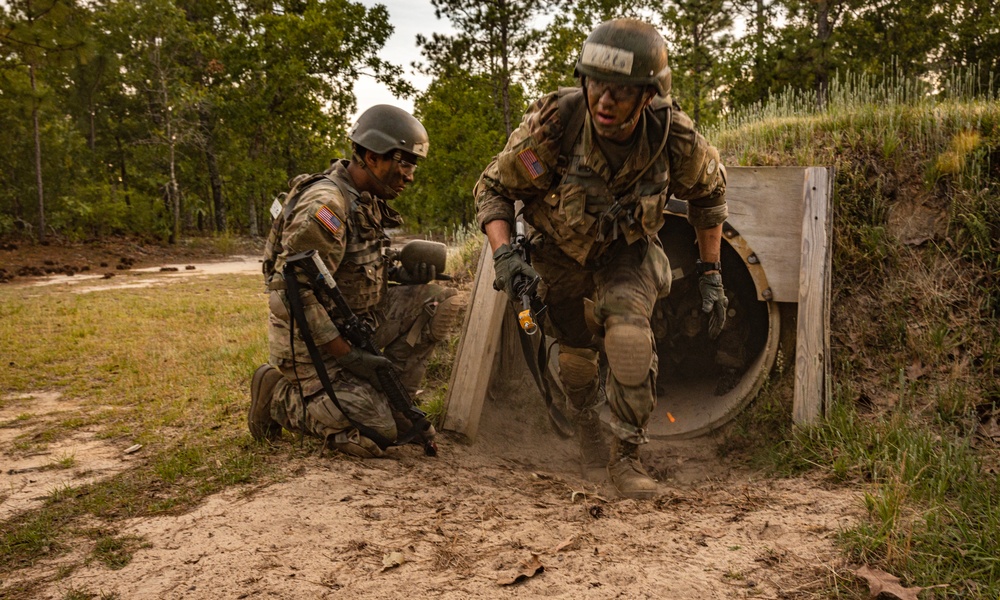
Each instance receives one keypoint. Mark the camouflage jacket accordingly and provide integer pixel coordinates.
(572, 198)
(347, 229)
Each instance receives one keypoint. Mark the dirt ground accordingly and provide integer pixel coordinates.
(507, 516)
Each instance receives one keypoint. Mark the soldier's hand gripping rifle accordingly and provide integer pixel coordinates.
(360, 334)
(532, 308)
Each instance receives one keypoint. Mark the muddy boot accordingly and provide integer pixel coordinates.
(626, 472)
(262, 426)
(593, 447)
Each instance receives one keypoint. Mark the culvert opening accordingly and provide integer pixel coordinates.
(703, 383)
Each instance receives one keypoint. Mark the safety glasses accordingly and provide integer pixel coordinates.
(406, 165)
(620, 92)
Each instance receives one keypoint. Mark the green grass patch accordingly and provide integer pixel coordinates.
(115, 552)
(168, 367)
(934, 511)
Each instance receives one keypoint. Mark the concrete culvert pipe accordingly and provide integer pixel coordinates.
(704, 383)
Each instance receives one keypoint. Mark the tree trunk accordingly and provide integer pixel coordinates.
(38, 155)
(92, 134)
(505, 68)
(252, 214)
(696, 39)
(173, 194)
(218, 206)
(124, 173)
(824, 31)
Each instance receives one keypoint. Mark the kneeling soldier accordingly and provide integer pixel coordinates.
(318, 382)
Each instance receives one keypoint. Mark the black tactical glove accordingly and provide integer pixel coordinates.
(421, 273)
(365, 365)
(508, 266)
(713, 302)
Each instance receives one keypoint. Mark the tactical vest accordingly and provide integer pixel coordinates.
(361, 275)
(580, 212)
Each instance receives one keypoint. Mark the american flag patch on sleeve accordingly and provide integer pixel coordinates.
(328, 219)
(530, 161)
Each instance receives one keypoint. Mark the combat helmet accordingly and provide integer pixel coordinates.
(626, 51)
(384, 128)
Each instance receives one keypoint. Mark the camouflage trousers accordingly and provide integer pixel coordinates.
(406, 332)
(624, 286)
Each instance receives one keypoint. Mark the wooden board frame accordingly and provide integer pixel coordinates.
(476, 353)
(784, 213)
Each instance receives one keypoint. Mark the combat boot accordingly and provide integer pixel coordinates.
(626, 472)
(593, 447)
(262, 426)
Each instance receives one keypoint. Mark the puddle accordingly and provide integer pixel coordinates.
(163, 274)
(27, 478)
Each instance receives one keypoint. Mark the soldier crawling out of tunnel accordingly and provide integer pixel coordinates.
(594, 166)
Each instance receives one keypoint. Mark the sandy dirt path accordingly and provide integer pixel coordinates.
(465, 524)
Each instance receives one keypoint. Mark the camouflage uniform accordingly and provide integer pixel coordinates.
(580, 251)
(347, 229)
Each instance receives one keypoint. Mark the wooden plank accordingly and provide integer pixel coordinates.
(765, 207)
(812, 352)
(476, 353)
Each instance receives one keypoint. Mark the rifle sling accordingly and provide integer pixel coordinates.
(392, 387)
(299, 315)
(537, 364)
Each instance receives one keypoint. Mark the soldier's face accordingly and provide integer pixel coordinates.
(611, 106)
(395, 171)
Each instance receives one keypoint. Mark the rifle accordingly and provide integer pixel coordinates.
(529, 319)
(532, 308)
(359, 333)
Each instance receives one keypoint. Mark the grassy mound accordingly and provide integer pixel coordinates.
(915, 322)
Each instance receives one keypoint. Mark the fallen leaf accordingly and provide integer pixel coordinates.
(391, 560)
(529, 568)
(565, 544)
(880, 582)
(989, 428)
(916, 370)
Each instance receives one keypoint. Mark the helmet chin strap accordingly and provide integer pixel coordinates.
(384, 191)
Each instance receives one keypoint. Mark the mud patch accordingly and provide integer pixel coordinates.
(34, 468)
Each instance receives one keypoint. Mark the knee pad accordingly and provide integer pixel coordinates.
(629, 347)
(326, 417)
(446, 316)
(577, 367)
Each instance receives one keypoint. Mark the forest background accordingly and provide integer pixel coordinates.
(165, 118)
(171, 120)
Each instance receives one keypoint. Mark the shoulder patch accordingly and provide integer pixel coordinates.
(328, 219)
(531, 163)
